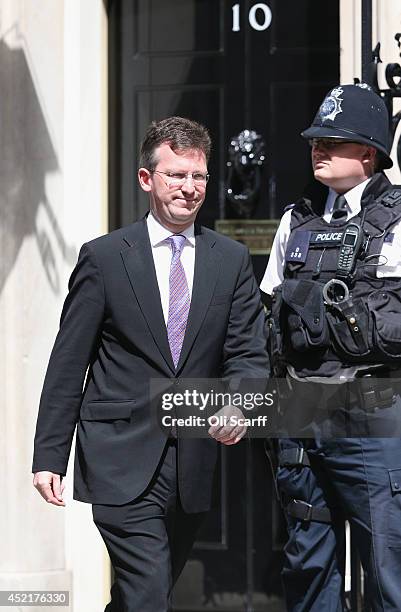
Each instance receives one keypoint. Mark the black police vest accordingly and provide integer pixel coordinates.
(354, 320)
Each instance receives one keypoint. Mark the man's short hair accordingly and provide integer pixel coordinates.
(180, 133)
(380, 163)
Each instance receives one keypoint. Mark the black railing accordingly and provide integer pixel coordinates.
(370, 63)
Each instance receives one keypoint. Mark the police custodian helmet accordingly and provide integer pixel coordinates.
(356, 113)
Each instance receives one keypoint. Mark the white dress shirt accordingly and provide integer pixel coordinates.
(161, 251)
(389, 263)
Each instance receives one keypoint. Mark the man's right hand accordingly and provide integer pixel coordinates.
(50, 486)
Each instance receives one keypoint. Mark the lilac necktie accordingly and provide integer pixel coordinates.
(179, 300)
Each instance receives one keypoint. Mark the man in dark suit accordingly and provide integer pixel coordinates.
(159, 299)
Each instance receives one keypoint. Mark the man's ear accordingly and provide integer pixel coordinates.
(369, 158)
(145, 179)
(369, 153)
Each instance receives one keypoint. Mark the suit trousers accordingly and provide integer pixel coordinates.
(148, 540)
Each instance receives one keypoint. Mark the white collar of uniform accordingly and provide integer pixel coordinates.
(158, 233)
(353, 198)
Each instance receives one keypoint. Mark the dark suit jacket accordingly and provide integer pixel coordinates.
(112, 321)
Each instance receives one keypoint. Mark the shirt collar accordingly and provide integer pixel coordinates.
(158, 233)
(352, 197)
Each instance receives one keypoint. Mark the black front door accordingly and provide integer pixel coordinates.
(232, 65)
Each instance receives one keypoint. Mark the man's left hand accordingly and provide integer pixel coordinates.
(229, 430)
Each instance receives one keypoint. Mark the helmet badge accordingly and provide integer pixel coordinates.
(331, 105)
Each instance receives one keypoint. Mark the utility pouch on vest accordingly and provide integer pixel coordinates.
(374, 392)
(305, 314)
(349, 325)
(385, 307)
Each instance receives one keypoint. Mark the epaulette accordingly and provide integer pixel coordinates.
(289, 206)
(390, 198)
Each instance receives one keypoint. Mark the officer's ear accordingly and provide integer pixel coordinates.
(369, 159)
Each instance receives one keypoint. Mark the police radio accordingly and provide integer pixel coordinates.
(350, 246)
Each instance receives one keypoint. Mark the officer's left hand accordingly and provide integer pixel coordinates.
(230, 427)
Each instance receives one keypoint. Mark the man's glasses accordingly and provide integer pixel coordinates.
(328, 143)
(177, 179)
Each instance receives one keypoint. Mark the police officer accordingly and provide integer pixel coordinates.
(335, 276)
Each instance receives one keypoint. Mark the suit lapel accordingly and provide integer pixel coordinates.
(205, 277)
(139, 264)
